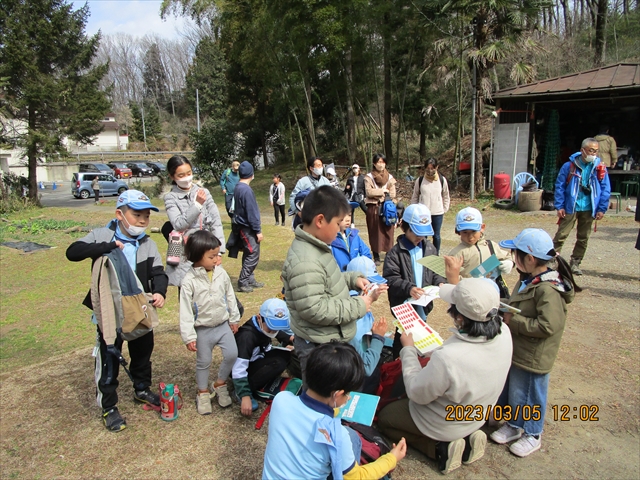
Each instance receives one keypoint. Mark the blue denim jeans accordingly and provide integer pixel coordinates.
(525, 389)
(436, 223)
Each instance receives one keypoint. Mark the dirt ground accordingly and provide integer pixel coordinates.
(50, 426)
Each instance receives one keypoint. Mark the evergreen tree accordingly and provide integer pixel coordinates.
(207, 74)
(155, 78)
(51, 84)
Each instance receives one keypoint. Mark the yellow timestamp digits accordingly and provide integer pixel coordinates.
(468, 413)
(584, 413)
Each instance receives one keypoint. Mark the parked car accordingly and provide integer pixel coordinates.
(95, 167)
(120, 170)
(140, 169)
(109, 185)
(157, 167)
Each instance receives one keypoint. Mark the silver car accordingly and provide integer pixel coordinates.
(109, 185)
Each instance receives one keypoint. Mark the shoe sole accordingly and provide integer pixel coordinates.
(114, 430)
(521, 455)
(478, 442)
(454, 456)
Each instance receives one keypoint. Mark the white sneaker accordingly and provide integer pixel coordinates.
(506, 433)
(203, 403)
(477, 444)
(222, 392)
(526, 445)
(454, 456)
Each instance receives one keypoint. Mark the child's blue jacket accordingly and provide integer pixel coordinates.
(356, 248)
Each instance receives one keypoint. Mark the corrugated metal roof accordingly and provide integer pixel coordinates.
(613, 77)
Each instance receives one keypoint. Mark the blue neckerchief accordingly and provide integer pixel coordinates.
(130, 246)
(327, 431)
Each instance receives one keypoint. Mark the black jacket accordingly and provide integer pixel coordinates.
(355, 185)
(399, 272)
(149, 268)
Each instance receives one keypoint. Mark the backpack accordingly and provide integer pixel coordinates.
(391, 386)
(373, 443)
(388, 211)
(502, 285)
(268, 393)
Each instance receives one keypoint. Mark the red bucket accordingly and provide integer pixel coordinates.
(501, 185)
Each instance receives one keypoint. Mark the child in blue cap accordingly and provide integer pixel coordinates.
(405, 276)
(545, 288)
(258, 364)
(126, 232)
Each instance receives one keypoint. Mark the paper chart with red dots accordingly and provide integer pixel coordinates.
(407, 320)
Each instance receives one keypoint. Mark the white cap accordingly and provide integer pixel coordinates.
(475, 298)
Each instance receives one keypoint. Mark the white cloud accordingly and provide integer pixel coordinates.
(135, 17)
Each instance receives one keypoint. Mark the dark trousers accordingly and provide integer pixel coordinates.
(278, 209)
(436, 223)
(97, 192)
(265, 370)
(363, 207)
(395, 422)
(140, 351)
(250, 256)
(227, 203)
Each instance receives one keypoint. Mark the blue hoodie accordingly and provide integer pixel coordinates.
(356, 248)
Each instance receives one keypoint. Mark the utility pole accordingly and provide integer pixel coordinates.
(198, 109)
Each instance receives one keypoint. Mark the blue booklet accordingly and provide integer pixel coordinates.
(361, 408)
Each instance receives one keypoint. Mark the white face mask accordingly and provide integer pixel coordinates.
(263, 324)
(380, 166)
(131, 230)
(185, 182)
(317, 171)
(589, 158)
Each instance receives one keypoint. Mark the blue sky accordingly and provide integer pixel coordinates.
(135, 17)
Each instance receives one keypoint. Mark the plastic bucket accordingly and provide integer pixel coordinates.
(501, 185)
(530, 201)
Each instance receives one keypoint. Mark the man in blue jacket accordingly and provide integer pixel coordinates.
(228, 181)
(582, 194)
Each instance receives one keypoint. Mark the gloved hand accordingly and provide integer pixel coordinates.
(505, 267)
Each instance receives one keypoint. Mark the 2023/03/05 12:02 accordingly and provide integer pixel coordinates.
(584, 413)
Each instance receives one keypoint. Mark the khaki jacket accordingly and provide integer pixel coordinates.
(206, 303)
(473, 255)
(537, 330)
(317, 292)
(608, 150)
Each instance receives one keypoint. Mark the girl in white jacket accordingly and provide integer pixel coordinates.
(209, 316)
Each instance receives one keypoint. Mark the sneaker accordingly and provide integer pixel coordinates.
(147, 396)
(277, 223)
(113, 421)
(506, 433)
(203, 403)
(222, 392)
(282, 224)
(245, 288)
(449, 455)
(575, 267)
(526, 445)
(256, 284)
(474, 446)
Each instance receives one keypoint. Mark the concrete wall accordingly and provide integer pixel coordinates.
(49, 172)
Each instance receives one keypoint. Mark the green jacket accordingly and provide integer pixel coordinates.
(536, 331)
(317, 292)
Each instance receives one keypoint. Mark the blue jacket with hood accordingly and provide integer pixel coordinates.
(566, 193)
(357, 248)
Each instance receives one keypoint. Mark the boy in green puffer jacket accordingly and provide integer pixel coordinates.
(316, 291)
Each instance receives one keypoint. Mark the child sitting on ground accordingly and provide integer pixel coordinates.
(405, 276)
(306, 439)
(209, 316)
(474, 248)
(369, 338)
(258, 364)
(317, 293)
(348, 245)
(126, 232)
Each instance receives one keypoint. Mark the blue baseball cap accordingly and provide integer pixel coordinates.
(275, 314)
(418, 217)
(469, 219)
(367, 267)
(135, 200)
(535, 241)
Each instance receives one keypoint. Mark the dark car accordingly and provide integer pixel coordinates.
(95, 168)
(120, 170)
(140, 169)
(157, 167)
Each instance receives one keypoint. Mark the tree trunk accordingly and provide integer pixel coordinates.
(311, 134)
(567, 18)
(265, 157)
(601, 25)
(351, 116)
(423, 137)
(388, 147)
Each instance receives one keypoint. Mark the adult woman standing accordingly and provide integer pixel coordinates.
(377, 184)
(314, 180)
(432, 190)
(355, 192)
(189, 208)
